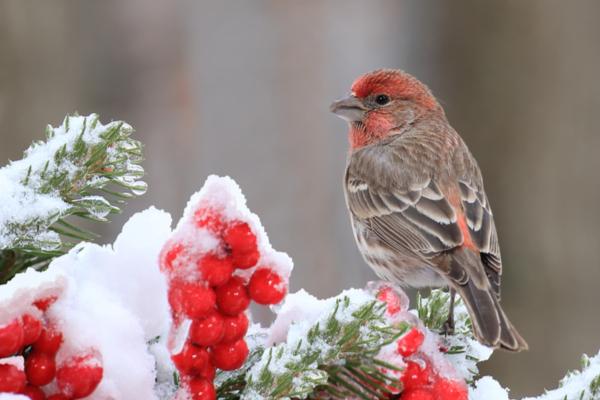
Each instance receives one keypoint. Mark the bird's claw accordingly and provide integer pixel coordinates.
(448, 328)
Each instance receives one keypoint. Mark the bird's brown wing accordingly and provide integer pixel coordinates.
(479, 218)
(403, 206)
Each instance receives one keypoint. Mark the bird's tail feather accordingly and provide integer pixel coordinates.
(491, 326)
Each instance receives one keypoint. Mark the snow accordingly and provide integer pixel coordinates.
(17, 296)
(576, 385)
(111, 302)
(301, 310)
(115, 304)
(487, 388)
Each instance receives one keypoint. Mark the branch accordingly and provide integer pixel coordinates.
(84, 169)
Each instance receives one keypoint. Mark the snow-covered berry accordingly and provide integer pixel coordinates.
(11, 338)
(242, 243)
(79, 376)
(49, 341)
(195, 300)
(215, 270)
(32, 329)
(40, 368)
(44, 303)
(12, 379)
(235, 327)
(239, 237)
(230, 356)
(447, 389)
(201, 389)
(418, 394)
(191, 360)
(232, 297)
(410, 342)
(415, 375)
(210, 219)
(391, 299)
(34, 392)
(207, 331)
(169, 256)
(244, 259)
(266, 287)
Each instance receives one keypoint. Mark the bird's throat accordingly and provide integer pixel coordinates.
(361, 135)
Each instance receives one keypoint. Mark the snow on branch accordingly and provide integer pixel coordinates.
(84, 169)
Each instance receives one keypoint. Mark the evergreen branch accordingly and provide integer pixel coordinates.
(84, 169)
(335, 359)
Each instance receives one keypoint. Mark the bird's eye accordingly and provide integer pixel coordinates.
(382, 99)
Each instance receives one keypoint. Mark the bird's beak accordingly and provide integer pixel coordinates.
(351, 109)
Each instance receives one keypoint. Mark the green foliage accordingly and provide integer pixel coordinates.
(82, 170)
(336, 359)
(433, 312)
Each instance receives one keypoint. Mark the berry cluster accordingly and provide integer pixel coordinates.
(33, 337)
(419, 379)
(205, 288)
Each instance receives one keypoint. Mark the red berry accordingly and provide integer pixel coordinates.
(40, 368)
(216, 271)
(235, 328)
(32, 329)
(415, 376)
(169, 257)
(244, 259)
(49, 341)
(207, 372)
(45, 303)
(12, 379)
(232, 297)
(446, 389)
(239, 237)
(79, 376)
(34, 393)
(266, 287)
(191, 360)
(57, 396)
(230, 356)
(210, 219)
(410, 342)
(201, 389)
(11, 338)
(388, 296)
(192, 299)
(207, 331)
(417, 394)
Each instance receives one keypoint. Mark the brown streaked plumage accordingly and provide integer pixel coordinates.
(416, 199)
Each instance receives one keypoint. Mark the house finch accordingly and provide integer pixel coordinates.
(416, 200)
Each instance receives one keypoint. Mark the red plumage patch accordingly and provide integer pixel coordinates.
(396, 84)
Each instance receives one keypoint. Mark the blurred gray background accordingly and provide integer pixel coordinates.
(242, 88)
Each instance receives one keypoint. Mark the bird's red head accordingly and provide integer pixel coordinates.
(382, 103)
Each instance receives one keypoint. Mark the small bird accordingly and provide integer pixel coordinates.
(418, 208)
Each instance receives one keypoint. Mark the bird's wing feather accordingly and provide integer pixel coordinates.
(480, 220)
(404, 207)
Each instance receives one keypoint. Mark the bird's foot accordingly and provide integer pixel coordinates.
(448, 327)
